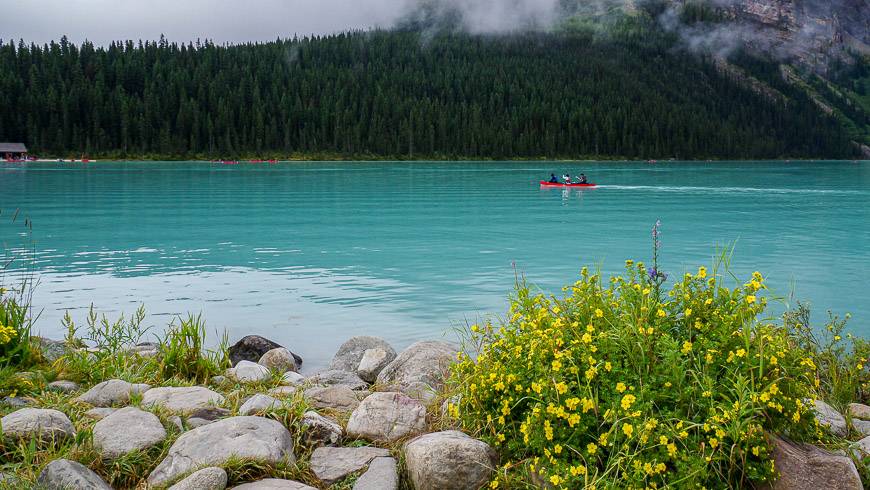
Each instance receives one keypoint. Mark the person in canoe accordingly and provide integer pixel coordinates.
(553, 179)
(566, 178)
(582, 179)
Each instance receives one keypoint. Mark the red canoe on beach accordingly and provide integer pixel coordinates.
(544, 183)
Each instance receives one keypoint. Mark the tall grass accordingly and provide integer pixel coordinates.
(183, 355)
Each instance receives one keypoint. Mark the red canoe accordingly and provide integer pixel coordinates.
(544, 183)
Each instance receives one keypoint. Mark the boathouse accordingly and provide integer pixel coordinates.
(13, 151)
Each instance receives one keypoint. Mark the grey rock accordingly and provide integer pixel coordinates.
(52, 350)
(292, 378)
(145, 349)
(830, 418)
(218, 380)
(283, 391)
(448, 460)
(859, 411)
(111, 392)
(861, 426)
(383, 474)
(182, 400)
(320, 430)
(209, 413)
(802, 466)
(373, 362)
(210, 478)
(126, 430)
(63, 474)
(62, 386)
(422, 365)
(16, 401)
(387, 417)
(331, 464)
(254, 438)
(252, 348)
(176, 422)
(194, 422)
(248, 372)
(100, 413)
(351, 352)
(274, 484)
(864, 446)
(337, 397)
(338, 377)
(43, 423)
(278, 359)
(258, 403)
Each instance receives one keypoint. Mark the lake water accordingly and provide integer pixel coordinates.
(309, 254)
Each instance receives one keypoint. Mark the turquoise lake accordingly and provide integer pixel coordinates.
(309, 254)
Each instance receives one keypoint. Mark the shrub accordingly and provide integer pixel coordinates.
(624, 385)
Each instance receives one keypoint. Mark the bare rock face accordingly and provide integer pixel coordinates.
(421, 365)
(255, 438)
(331, 464)
(252, 347)
(111, 392)
(278, 359)
(41, 423)
(182, 399)
(387, 417)
(63, 474)
(830, 418)
(383, 474)
(351, 352)
(448, 460)
(274, 484)
(126, 430)
(337, 397)
(320, 430)
(210, 478)
(802, 466)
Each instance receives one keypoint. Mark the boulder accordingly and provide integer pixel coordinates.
(176, 422)
(292, 378)
(254, 438)
(43, 423)
(337, 397)
(278, 359)
(209, 413)
(248, 372)
(283, 391)
(448, 460)
(320, 430)
(194, 422)
(383, 474)
(387, 417)
(351, 352)
(17, 401)
(802, 466)
(420, 367)
(63, 474)
(861, 426)
(100, 413)
(218, 380)
(210, 478)
(864, 446)
(274, 484)
(830, 418)
(62, 386)
(182, 400)
(252, 348)
(258, 403)
(338, 377)
(859, 411)
(111, 392)
(145, 349)
(51, 350)
(331, 464)
(126, 430)
(373, 362)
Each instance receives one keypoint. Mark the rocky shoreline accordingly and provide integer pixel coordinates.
(375, 419)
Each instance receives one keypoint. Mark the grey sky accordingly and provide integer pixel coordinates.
(102, 21)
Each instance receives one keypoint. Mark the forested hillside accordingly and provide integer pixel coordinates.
(402, 94)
